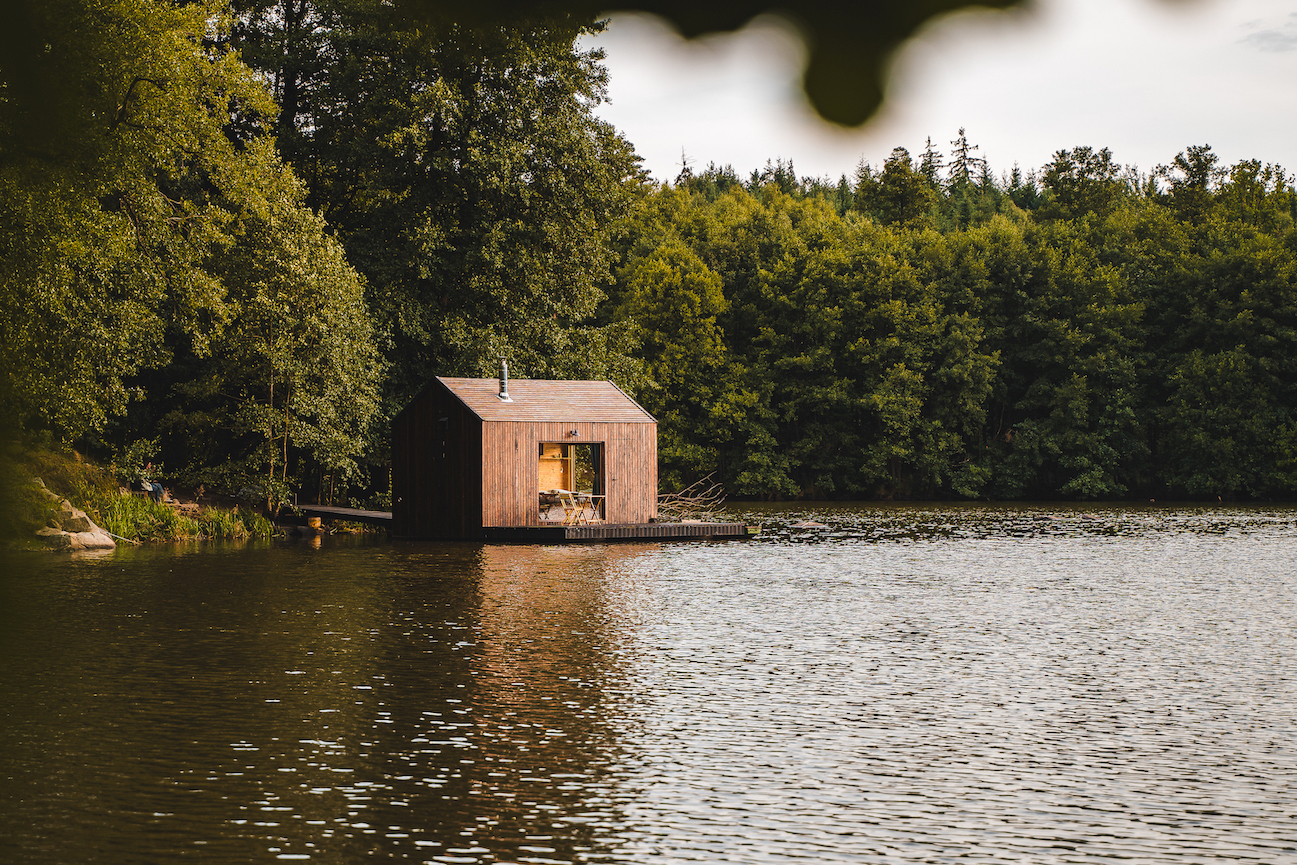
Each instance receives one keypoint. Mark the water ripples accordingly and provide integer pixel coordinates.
(905, 684)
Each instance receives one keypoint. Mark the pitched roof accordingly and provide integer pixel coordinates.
(540, 400)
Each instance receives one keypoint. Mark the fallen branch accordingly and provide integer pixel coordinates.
(701, 500)
(120, 538)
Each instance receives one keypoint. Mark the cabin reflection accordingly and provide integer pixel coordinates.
(547, 678)
(548, 619)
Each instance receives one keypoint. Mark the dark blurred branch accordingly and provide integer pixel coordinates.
(849, 43)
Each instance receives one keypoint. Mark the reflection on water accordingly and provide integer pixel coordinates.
(1044, 684)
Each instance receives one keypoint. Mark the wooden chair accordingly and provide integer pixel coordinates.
(548, 499)
(571, 510)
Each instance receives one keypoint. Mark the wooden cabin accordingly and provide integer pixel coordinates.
(470, 455)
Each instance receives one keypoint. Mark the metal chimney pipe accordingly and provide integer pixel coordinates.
(504, 381)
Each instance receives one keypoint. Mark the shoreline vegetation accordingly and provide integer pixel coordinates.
(134, 519)
(247, 283)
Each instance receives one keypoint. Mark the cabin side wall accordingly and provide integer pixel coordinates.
(631, 473)
(436, 470)
(510, 469)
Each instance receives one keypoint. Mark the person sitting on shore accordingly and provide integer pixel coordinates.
(152, 487)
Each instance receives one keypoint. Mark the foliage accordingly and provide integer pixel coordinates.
(1089, 334)
(106, 217)
(478, 202)
(96, 490)
(1082, 181)
(294, 374)
(246, 269)
(132, 460)
(66, 473)
(25, 506)
(139, 518)
(162, 272)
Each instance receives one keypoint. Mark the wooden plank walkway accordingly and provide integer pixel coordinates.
(559, 534)
(627, 532)
(351, 515)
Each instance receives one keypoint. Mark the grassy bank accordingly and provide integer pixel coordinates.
(25, 507)
(143, 519)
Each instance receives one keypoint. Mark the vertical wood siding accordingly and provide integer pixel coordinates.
(436, 472)
(510, 469)
(488, 472)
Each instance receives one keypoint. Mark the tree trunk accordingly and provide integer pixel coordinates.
(270, 438)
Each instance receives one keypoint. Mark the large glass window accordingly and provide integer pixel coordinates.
(571, 474)
(574, 468)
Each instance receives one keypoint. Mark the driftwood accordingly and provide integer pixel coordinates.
(701, 500)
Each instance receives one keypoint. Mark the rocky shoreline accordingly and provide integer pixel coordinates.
(70, 528)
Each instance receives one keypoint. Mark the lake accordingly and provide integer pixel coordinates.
(1042, 684)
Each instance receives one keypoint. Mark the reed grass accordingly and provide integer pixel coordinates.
(139, 518)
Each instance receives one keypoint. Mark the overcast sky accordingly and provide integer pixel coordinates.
(1144, 77)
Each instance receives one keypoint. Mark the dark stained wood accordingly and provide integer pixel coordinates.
(436, 468)
(639, 532)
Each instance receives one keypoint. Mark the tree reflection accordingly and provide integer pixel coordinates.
(415, 702)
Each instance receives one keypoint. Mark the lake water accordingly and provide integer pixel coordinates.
(911, 684)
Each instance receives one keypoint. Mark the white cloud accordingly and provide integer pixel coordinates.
(1272, 40)
(1280, 37)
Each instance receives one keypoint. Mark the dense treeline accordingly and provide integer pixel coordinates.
(245, 234)
(926, 329)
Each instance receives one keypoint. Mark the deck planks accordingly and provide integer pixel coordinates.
(551, 534)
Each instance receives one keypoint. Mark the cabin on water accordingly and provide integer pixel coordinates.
(486, 458)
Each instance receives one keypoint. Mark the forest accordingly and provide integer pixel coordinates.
(238, 238)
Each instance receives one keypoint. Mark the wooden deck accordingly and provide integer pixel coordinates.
(350, 515)
(560, 534)
(556, 533)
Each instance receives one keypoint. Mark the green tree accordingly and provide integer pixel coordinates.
(108, 214)
(293, 378)
(1192, 176)
(1219, 426)
(902, 196)
(1082, 181)
(466, 175)
(1068, 327)
(673, 300)
(1258, 196)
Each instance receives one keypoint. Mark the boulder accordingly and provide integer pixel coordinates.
(72, 529)
(72, 519)
(56, 539)
(92, 540)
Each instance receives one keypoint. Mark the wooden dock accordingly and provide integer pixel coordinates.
(350, 515)
(560, 534)
(556, 533)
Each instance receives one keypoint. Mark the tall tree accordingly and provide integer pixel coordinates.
(108, 214)
(290, 386)
(902, 195)
(465, 173)
(930, 164)
(673, 299)
(1082, 181)
(1192, 176)
(158, 258)
(964, 166)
